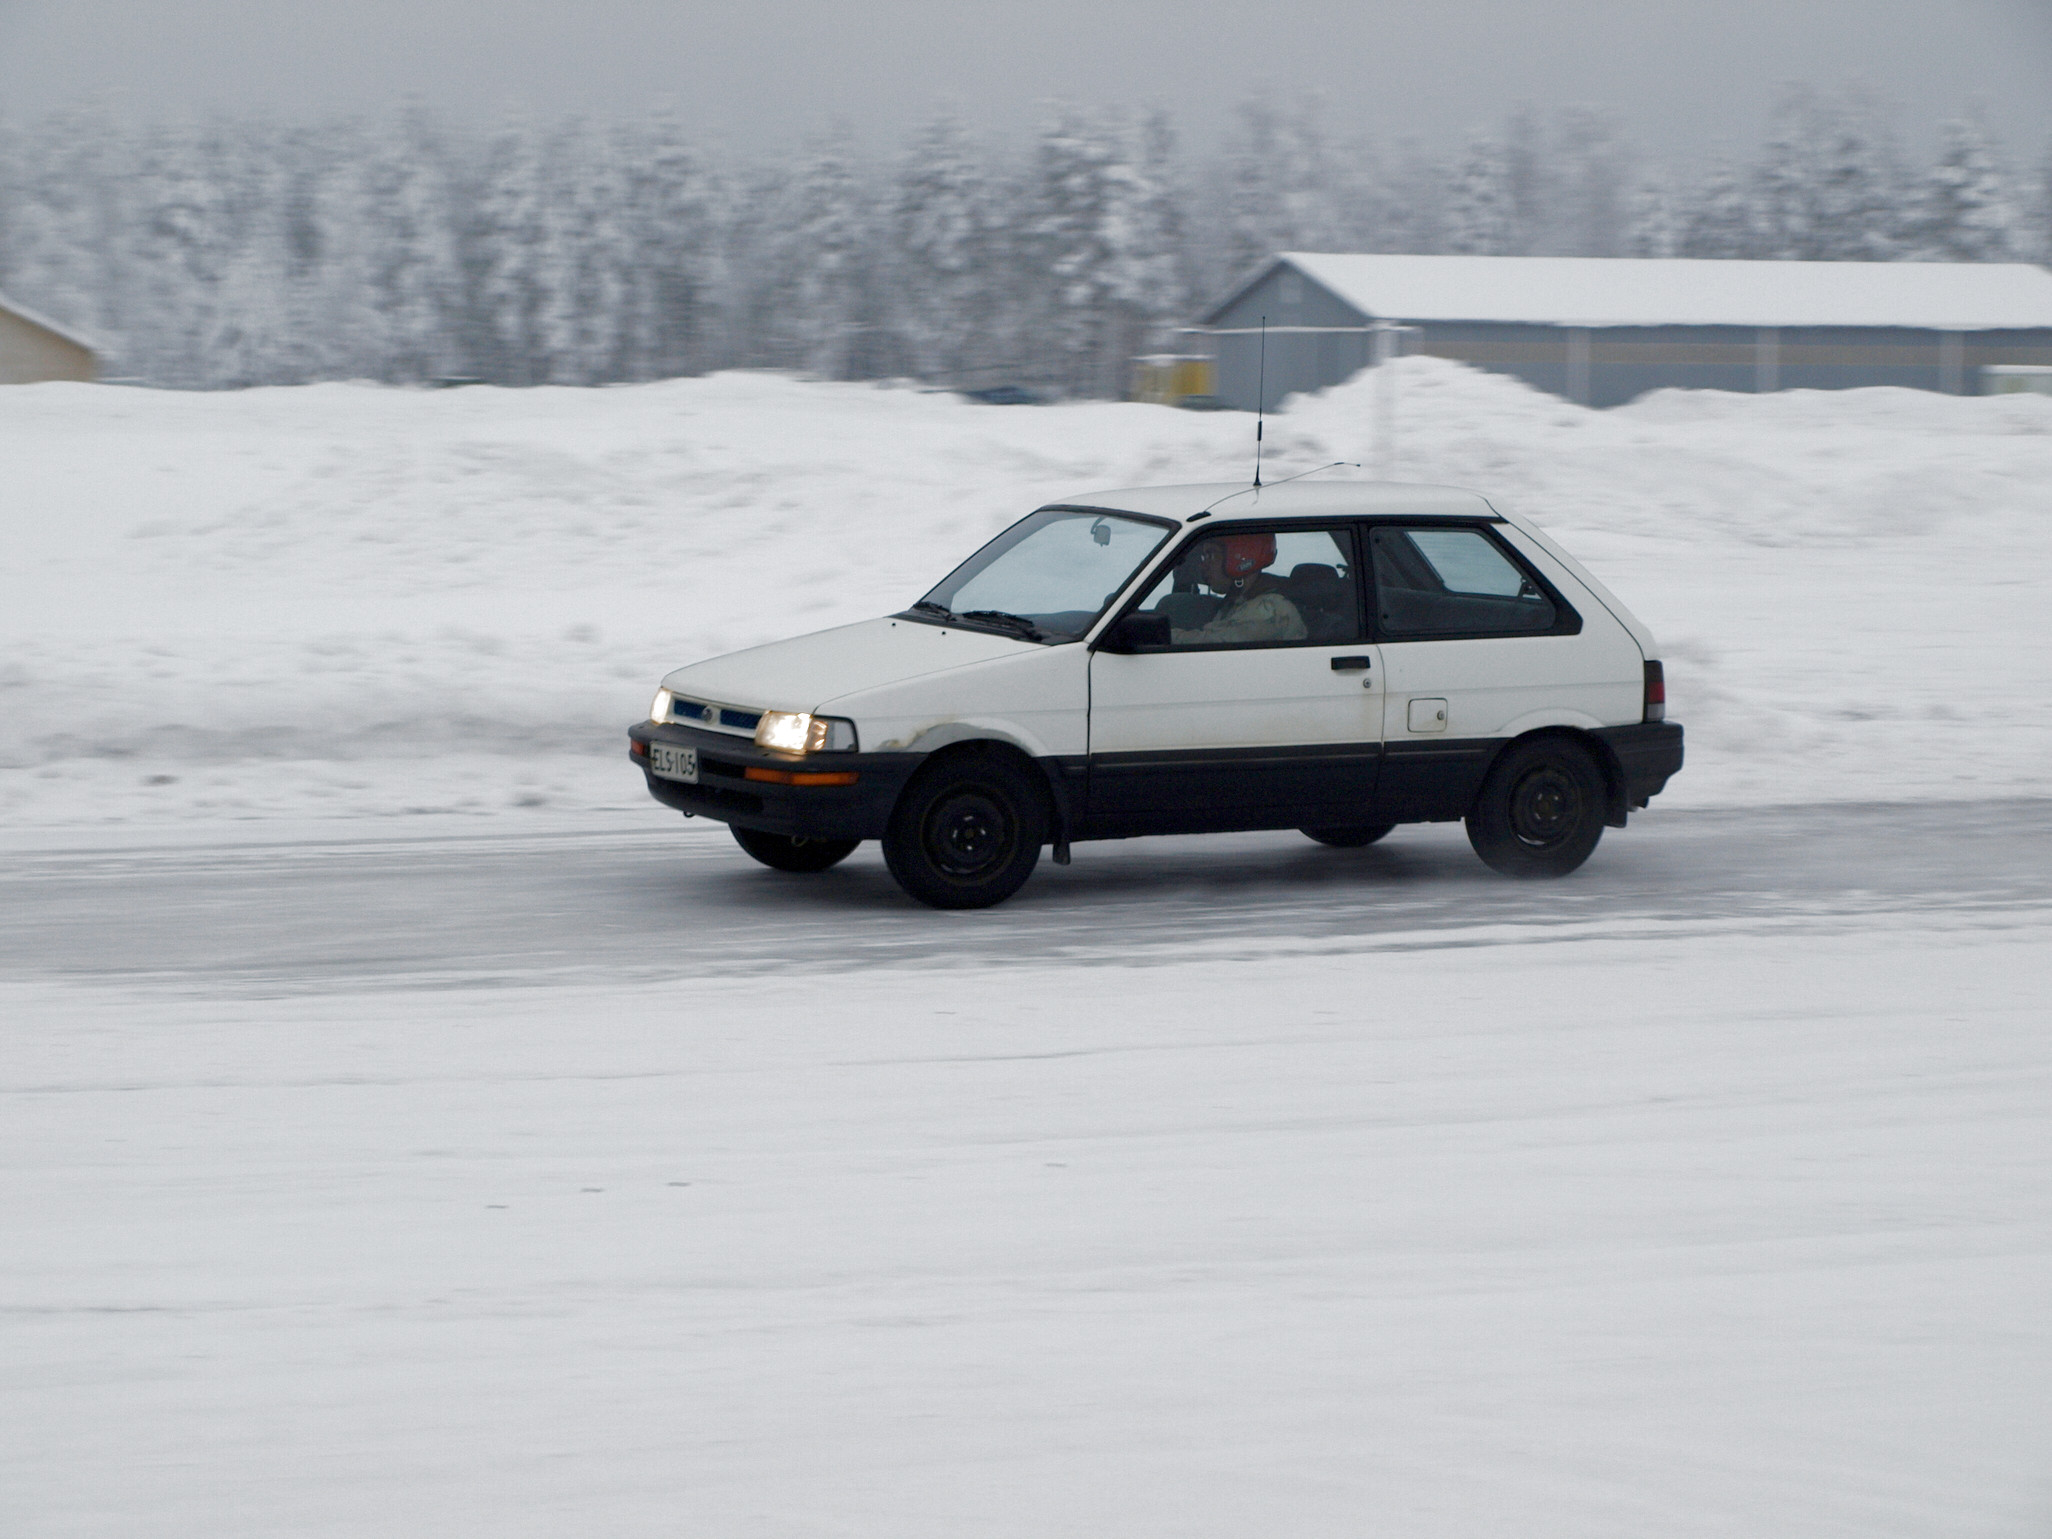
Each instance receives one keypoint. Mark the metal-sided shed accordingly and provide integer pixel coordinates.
(34, 348)
(1602, 330)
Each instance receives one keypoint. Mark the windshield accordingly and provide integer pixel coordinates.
(1048, 576)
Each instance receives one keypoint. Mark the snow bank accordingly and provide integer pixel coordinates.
(352, 599)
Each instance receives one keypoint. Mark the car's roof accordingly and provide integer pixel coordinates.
(1293, 499)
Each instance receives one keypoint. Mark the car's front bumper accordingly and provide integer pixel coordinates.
(727, 791)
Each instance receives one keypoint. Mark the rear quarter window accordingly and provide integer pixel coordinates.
(1456, 582)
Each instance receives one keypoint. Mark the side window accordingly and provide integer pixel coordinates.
(1452, 582)
(1274, 587)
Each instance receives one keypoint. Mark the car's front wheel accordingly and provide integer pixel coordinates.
(1348, 838)
(780, 852)
(1540, 812)
(967, 831)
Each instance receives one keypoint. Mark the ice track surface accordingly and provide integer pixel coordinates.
(605, 1183)
(656, 897)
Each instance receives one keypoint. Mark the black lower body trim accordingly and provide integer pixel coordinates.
(1217, 790)
(1433, 780)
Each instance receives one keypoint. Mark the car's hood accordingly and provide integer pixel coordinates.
(806, 672)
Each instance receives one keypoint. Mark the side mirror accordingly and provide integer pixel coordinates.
(1134, 631)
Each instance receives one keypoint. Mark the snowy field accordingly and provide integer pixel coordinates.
(343, 600)
(1358, 1193)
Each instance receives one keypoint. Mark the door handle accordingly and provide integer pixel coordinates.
(1344, 664)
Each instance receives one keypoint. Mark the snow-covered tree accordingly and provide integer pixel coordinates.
(822, 252)
(1652, 219)
(672, 222)
(408, 250)
(331, 246)
(61, 221)
(1168, 276)
(1075, 162)
(1784, 195)
(1529, 181)
(944, 251)
(249, 337)
(1967, 212)
(182, 240)
(1413, 216)
(46, 262)
(586, 264)
(1856, 193)
(2038, 247)
(1480, 211)
(1593, 167)
(1717, 221)
(1277, 188)
(509, 235)
(1097, 237)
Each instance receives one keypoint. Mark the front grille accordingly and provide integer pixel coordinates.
(717, 718)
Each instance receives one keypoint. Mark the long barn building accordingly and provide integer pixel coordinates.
(1603, 330)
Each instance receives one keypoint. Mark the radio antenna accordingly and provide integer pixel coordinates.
(1260, 403)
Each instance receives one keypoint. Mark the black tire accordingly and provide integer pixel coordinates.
(967, 832)
(780, 852)
(1348, 838)
(1541, 810)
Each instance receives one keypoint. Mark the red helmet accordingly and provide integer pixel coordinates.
(1246, 554)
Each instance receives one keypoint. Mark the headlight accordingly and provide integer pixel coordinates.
(798, 732)
(659, 708)
(785, 731)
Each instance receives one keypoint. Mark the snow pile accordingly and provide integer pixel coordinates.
(352, 599)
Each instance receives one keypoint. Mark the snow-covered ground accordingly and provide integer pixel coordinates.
(354, 600)
(1737, 1232)
(1728, 1223)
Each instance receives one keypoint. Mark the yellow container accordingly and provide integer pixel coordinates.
(1168, 379)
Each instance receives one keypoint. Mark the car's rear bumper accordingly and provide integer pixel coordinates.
(1643, 756)
(727, 791)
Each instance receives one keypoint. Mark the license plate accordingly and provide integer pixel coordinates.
(666, 761)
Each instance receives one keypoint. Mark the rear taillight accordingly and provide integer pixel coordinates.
(1656, 693)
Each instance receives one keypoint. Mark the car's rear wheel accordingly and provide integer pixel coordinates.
(1348, 838)
(781, 852)
(967, 832)
(1540, 812)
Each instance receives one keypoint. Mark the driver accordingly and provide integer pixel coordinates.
(1255, 608)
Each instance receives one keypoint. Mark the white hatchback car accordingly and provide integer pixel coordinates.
(1332, 657)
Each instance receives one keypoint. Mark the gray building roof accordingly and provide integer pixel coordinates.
(1615, 291)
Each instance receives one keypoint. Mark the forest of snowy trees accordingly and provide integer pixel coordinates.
(236, 252)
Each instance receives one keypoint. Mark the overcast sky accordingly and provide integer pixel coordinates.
(769, 72)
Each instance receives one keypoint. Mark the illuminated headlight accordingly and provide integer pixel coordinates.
(659, 709)
(798, 732)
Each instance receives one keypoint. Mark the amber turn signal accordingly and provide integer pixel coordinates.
(802, 777)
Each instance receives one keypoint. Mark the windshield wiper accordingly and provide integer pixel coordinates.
(929, 607)
(1018, 624)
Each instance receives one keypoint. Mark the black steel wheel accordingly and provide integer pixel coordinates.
(1540, 812)
(967, 831)
(781, 852)
(1348, 838)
